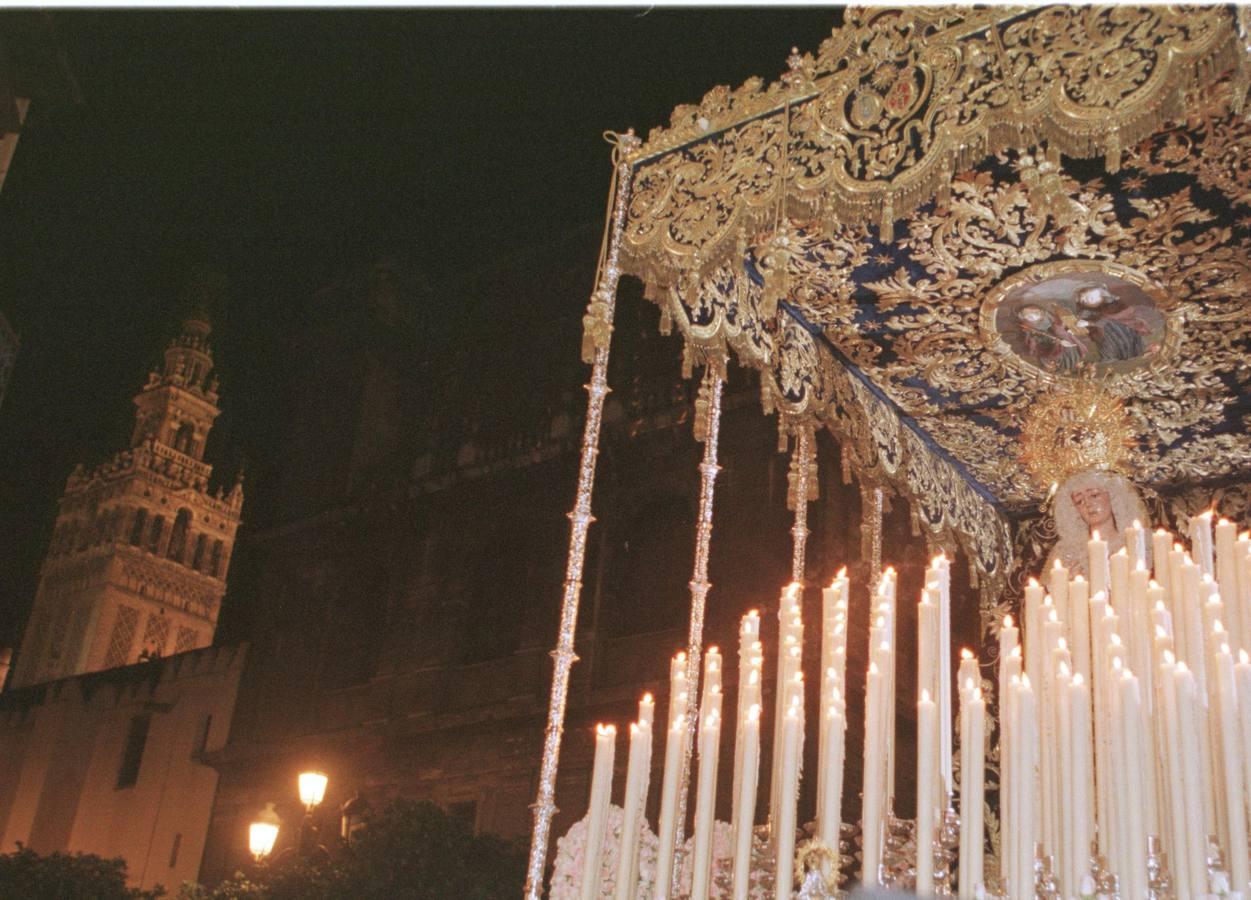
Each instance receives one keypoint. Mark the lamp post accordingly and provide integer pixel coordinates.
(312, 790)
(263, 832)
(353, 814)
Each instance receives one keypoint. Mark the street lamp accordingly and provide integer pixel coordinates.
(312, 789)
(263, 832)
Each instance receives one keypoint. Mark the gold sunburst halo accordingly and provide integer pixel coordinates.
(1078, 426)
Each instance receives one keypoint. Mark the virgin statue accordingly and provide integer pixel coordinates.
(1088, 502)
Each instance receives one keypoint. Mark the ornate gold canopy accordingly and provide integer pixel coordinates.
(895, 233)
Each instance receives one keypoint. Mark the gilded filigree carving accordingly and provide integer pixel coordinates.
(897, 102)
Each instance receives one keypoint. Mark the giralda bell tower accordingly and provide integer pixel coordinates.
(138, 559)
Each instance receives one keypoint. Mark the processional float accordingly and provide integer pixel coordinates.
(1004, 256)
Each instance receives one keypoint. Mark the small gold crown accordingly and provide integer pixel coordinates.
(1077, 427)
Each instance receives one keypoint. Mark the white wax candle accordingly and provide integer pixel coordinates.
(746, 803)
(1188, 727)
(943, 697)
(829, 809)
(1192, 611)
(1136, 544)
(748, 638)
(637, 771)
(927, 791)
(1227, 577)
(1243, 595)
(874, 775)
(1231, 758)
(784, 836)
(1097, 553)
(675, 743)
(1067, 784)
(1161, 544)
(597, 815)
(712, 675)
(1083, 790)
(1201, 541)
(706, 797)
(1118, 566)
(1177, 842)
(1033, 630)
(1058, 586)
(1135, 797)
(972, 791)
(1242, 677)
(1079, 606)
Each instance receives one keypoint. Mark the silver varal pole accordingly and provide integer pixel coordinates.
(709, 431)
(597, 332)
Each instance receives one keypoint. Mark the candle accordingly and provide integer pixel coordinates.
(972, 790)
(675, 743)
(1097, 553)
(927, 791)
(1135, 794)
(1231, 759)
(1024, 768)
(829, 810)
(1242, 677)
(706, 797)
(1079, 607)
(1178, 847)
(1082, 780)
(1227, 577)
(942, 568)
(1242, 589)
(748, 640)
(1201, 541)
(1059, 588)
(1188, 727)
(1118, 567)
(1136, 544)
(637, 771)
(597, 816)
(784, 836)
(874, 775)
(746, 802)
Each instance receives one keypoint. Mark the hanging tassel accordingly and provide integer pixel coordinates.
(972, 575)
(783, 437)
(700, 425)
(666, 321)
(886, 232)
(914, 520)
(688, 361)
(1112, 159)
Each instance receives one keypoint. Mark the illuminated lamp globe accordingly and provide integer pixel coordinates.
(312, 788)
(263, 833)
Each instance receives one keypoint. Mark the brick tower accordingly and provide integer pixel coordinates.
(137, 563)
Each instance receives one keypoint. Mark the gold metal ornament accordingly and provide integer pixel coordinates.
(1077, 427)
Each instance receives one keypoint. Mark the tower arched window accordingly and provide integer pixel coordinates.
(197, 558)
(136, 529)
(178, 535)
(215, 566)
(154, 534)
(184, 438)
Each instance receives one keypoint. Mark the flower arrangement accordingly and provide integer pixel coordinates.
(571, 859)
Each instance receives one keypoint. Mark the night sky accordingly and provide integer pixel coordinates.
(278, 148)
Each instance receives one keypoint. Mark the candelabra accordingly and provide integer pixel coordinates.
(898, 866)
(1105, 883)
(1044, 875)
(1218, 875)
(946, 850)
(1159, 882)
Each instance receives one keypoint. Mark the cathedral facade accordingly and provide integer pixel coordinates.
(136, 567)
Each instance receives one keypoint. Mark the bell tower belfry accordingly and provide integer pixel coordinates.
(138, 559)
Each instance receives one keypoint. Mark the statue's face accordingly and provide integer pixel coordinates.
(1034, 316)
(1094, 505)
(1090, 298)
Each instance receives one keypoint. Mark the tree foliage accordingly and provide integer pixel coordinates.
(66, 876)
(408, 851)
